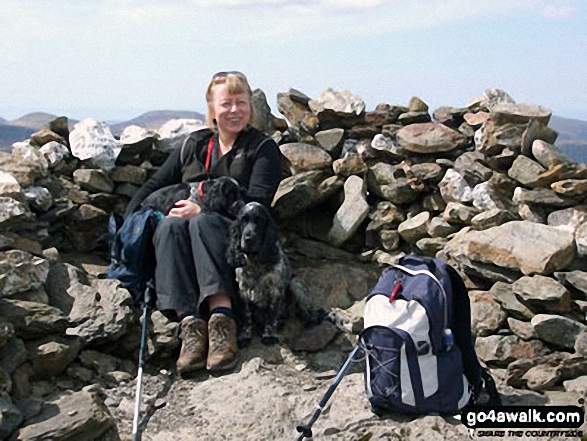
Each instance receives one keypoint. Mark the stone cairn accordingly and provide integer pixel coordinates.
(481, 187)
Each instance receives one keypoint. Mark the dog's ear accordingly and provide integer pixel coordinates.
(234, 254)
(269, 252)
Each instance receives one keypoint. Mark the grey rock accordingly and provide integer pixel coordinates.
(55, 153)
(430, 138)
(438, 227)
(520, 113)
(542, 196)
(386, 215)
(581, 343)
(417, 105)
(430, 246)
(556, 329)
(471, 166)
(577, 385)
(305, 157)
(498, 350)
(13, 211)
(350, 165)
(20, 272)
(543, 294)
(454, 188)
(341, 102)
(410, 118)
(93, 141)
(458, 214)
(486, 315)
(81, 415)
(331, 140)
(547, 154)
(10, 416)
(33, 320)
(581, 239)
(313, 339)
(8, 183)
(50, 356)
(390, 239)
(522, 329)
(576, 280)
(294, 106)
(518, 245)
(12, 355)
(303, 191)
(415, 228)
(491, 218)
(128, 173)
(103, 311)
(93, 180)
(38, 197)
(428, 172)
(503, 293)
(526, 171)
(351, 214)
(571, 217)
(173, 133)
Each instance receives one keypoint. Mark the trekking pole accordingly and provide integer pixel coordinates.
(305, 430)
(136, 436)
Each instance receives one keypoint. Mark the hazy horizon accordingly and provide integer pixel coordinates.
(117, 59)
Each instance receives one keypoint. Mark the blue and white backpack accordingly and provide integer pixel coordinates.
(413, 365)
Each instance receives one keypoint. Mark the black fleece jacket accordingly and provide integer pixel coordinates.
(254, 161)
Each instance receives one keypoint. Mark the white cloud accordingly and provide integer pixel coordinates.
(559, 12)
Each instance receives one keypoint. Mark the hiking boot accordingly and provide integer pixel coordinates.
(194, 345)
(223, 345)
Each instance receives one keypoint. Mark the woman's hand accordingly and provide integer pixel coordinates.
(184, 209)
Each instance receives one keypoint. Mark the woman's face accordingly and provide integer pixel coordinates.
(232, 111)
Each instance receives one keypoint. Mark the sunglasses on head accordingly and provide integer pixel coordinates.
(230, 72)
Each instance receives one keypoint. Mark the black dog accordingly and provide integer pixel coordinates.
(222, 195)
(264, 276)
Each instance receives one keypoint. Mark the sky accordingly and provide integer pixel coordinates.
(116, 59)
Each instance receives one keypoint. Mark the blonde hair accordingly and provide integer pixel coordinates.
(237, 83)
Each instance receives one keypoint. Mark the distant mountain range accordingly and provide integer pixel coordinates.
(22, 128)
(572, 133)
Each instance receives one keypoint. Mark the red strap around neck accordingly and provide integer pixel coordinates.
(209, 155)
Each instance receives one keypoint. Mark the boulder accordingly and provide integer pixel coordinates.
(454, 188)
(518, 245)
(430, 138)
(305, 157)
(92, 141)
(101, 312)
(351, 214)
(338, 108)
(519, 114)
(486, 315)
(500, 351)
(542, 294)
(558, 330)
(33, 320)
(415, 228)
(20, 271)
(173, 133)
(81, 415)
(8, 183)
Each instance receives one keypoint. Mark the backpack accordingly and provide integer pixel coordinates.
(413, 365)
(132, 254)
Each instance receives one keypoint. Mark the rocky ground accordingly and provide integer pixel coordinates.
(271, 391)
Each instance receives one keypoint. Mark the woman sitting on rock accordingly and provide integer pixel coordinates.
(193, 279)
